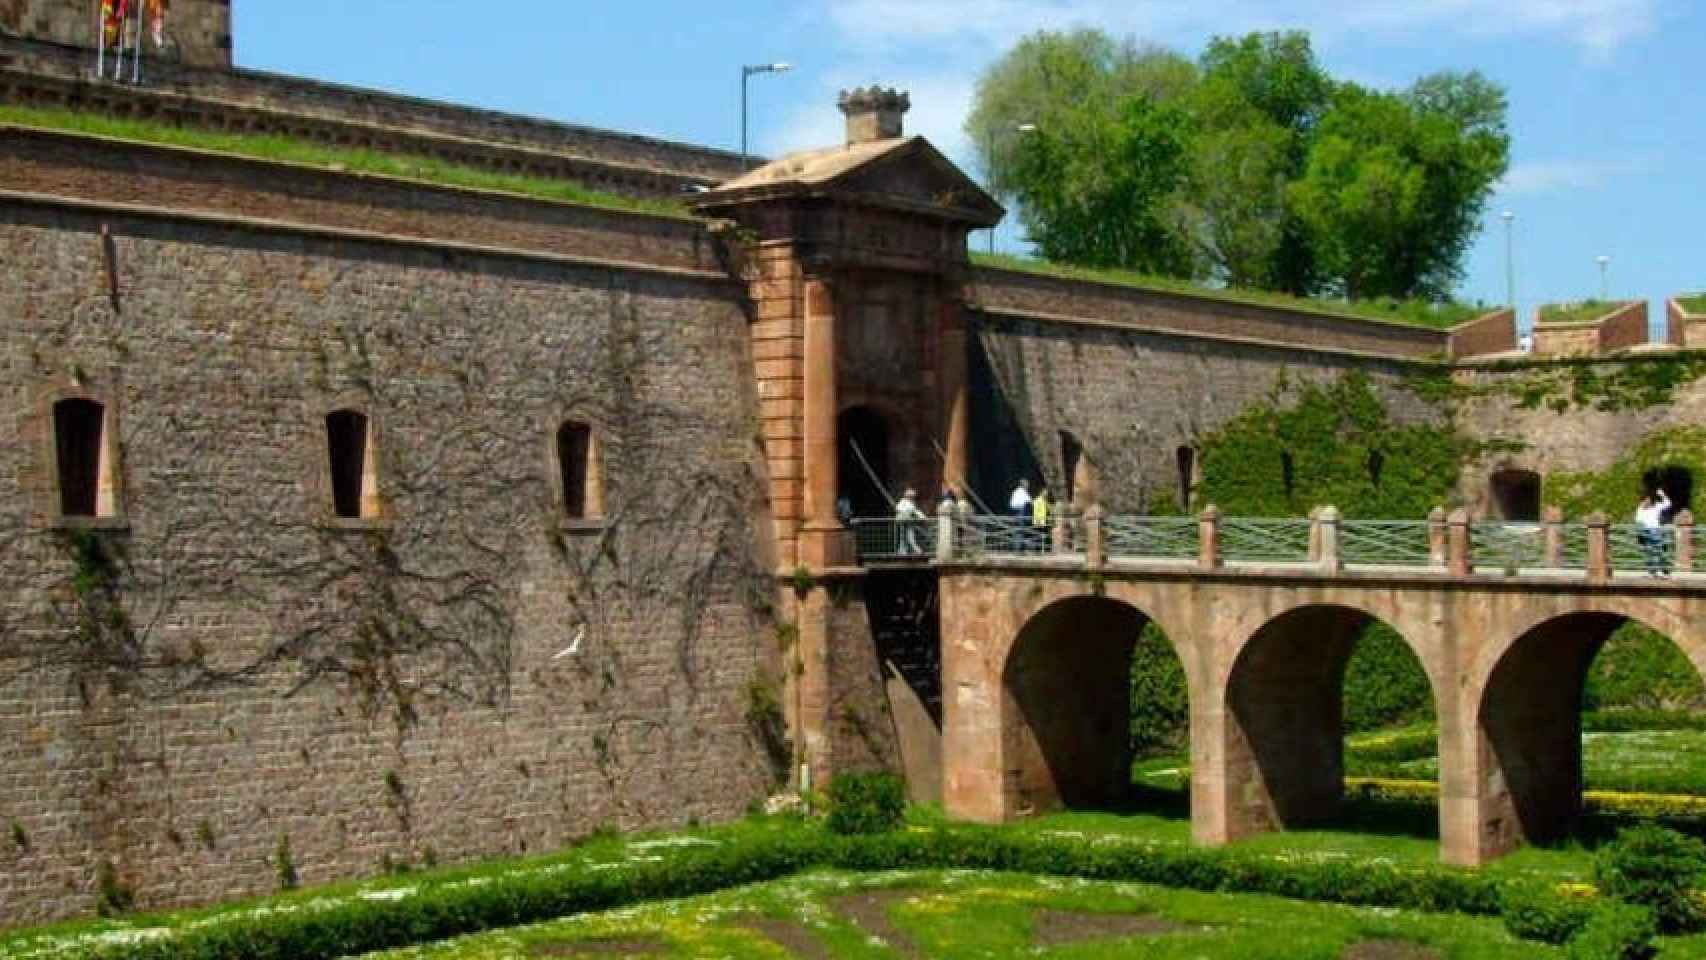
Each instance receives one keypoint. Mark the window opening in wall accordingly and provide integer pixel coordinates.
(1516, 496)
(575, 461)
(1288, 473)
(1677, 483)
(346, 441)
(1071, 457)
(77, 426)
(1187, 461)
(1376, 464)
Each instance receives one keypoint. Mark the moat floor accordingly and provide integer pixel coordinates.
(932, 914)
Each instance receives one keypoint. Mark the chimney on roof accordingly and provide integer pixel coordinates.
(873, 113)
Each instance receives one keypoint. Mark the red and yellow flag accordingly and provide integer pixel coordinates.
(112, 19)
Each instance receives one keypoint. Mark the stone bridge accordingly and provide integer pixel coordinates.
(1037, 642)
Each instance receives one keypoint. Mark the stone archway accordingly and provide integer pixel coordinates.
(1276, 760)
(1074, 651)
(863, 451)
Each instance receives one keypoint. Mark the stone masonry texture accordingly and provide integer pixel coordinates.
(396, 690)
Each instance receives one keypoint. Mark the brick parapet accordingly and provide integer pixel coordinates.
(1682, 328)
(1620, 328)
(101, 169)
(1020, 293)
(1487, 334)
(246, 101)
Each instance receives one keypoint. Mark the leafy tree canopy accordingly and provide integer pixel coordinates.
(1250, 167)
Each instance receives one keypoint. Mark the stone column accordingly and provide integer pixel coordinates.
(820, 532)
(1552, 529)
(1458, 563)
(1599, 548)
(1327, 557)
(1685, 541)
(956, 405)
(1436, 537)
(1208, 538)
(945, 523)
(1095, 549)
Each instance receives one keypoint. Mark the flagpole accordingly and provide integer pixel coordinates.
(101, 39)
(136, 52)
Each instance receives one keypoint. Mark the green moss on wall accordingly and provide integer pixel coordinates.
(1333, 444)
(1617, 489)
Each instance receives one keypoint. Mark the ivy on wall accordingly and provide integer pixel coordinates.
(1333, 444)
(1563, 384)
(1616, 490)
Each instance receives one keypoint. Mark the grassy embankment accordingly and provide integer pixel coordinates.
(306, 152)
(1439, 316)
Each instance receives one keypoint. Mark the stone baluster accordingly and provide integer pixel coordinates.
(1599, 548)
(968, 541)
(1095, 550)
(1208, 538)
(1062, 533)
(1327, 528)
(946, 529)
(1436, 537)
(1458, 563)
(1685, 541)
(1552, 530)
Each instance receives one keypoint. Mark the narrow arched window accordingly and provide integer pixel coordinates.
(1186, 458)
(349, 451)
(577, 464)
(78, 428)
(1288, 473)
(1376, 466)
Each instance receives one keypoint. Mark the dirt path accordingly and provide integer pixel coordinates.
(869, 911)
(1389, 950)
(1052, 928)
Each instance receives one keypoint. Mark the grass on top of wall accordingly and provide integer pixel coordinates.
(1415, 313)
(308, 153)
(1694, 303)
(1580, 311)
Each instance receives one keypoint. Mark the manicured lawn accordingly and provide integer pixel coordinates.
(1580, 312)
(291, 150)
(954, 914)
(1657, 761)
(1411, 312)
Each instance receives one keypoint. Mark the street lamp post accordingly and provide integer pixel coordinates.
(1604, 285)
(746, 71)
(1510, 261)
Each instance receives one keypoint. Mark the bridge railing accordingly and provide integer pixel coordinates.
(1172, 538)
(885, 538)
(1593, 548)
(1386, 543)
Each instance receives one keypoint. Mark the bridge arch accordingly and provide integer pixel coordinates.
(1278, 756)
(1074, 650)
(1525, 756)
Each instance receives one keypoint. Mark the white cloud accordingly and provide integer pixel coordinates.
(1546, 176)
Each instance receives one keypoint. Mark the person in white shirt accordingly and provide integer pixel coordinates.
(1020, 502)
(1650, 518)
(909, 519)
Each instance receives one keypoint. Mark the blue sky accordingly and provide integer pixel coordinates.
(1607, 118)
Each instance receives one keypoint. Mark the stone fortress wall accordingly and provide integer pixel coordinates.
(474, 669)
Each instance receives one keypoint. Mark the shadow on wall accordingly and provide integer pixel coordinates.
(1001, 447)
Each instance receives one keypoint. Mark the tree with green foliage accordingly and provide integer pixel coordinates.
(1396, 184)
(1250, 168)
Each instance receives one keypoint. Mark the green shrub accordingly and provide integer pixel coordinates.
(1641, 668)
(1616, 931)
(865, 803)
(1160, 705)
(1655, 868)
(1536, 911)
(1384, 683)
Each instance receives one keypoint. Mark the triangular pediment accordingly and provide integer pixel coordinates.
(907, 174)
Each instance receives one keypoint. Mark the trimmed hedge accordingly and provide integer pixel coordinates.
(1535, 911)
(1616, 931)
(438, 912)
(865, 803)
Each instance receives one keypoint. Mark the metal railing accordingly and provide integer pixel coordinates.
(1264, 540)
(1169, 537)
(1328, 541)
(885, 538)
(1390, 543)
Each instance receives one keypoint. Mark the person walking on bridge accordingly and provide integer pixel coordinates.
(1649, 519)
(1040, 519)
(909, 519)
